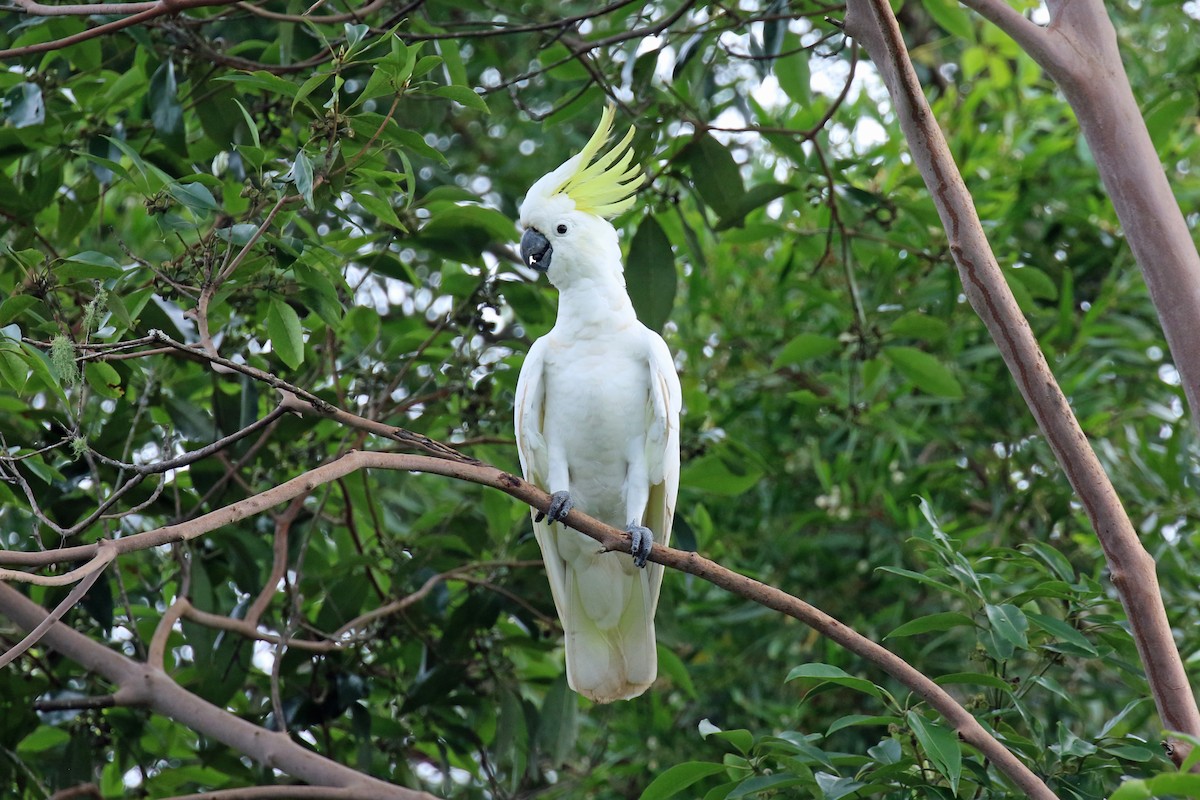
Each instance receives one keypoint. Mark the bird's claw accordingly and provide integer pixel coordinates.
(560, 504)
(641, 542)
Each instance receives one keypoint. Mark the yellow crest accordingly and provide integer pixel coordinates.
(605, 186)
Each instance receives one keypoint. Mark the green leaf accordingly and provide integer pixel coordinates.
(834, 787)
(650, 274)
(302, 176)
(195, 196)
(919, 326)
(792, 71)
(166, 114)
(13, 370)
(926, 372)
(675, 779)
(43, 738)
(264, 81)
(669, 664)
(464, 96)
(757, 196)
(856, 720)
(973, 679)
(719, 475)
(1036, 282)
(1167, 117)
(1176, 783)
(88, 265)
(103, 378)
(715, 174)
(932, 622)
(951, 18)
(287, 338)
(1132, 790)
(25, 106)
(940, 745)
(827, 673)
(888, 751)
(558, 724)
(762, 783)
(1064, 633)
(14, 306)
(804, 347)
(250, 125)
(1132, 752)
(1009, 624)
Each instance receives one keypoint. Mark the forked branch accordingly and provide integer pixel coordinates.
(1133, 570)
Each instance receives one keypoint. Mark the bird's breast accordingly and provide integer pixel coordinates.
(595, 408)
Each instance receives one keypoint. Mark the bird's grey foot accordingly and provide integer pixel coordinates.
(640, 544)
(560, 504)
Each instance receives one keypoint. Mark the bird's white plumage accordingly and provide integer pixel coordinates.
(597, 415)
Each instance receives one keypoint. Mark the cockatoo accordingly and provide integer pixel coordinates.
(597, 422)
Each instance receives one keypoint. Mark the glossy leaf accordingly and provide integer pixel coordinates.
(650, 274)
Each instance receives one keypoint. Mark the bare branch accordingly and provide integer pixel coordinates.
(192, 456)
(250, 631)
(283, 526)
(156, 656)
(76, 792)
(420, 594)
(76, 703)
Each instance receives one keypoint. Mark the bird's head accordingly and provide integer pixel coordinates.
(563, 217)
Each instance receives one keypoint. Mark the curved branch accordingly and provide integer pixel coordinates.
(611, 539)
(1132, 568)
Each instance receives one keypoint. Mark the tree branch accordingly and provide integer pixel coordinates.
(157, 9)
(141, 684)
(285, 792)
(76, 594)
(1132, 569)
(611, 539)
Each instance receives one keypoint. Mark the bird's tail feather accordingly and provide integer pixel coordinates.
(613, 657)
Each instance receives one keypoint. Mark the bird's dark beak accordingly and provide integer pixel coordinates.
(536, 250)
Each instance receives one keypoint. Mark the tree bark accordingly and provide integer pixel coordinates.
(1133, 571)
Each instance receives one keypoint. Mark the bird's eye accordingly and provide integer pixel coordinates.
(562, 228)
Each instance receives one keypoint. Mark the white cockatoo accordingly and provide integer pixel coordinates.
(597, 420)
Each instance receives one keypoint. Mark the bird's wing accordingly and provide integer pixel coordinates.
(662, 451)
(530, 412)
